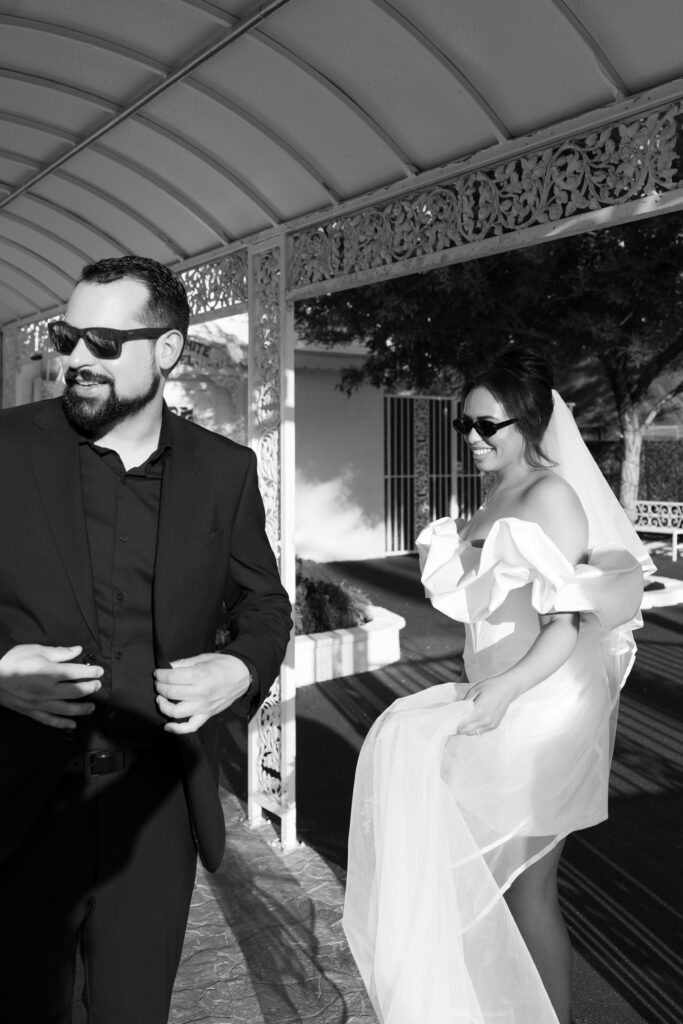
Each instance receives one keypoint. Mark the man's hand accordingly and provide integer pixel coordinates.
(199, 687)
(44, 684)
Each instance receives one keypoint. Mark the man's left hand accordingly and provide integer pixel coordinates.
(194, 689)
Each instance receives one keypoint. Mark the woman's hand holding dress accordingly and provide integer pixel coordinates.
(492, 698)
(551, 649)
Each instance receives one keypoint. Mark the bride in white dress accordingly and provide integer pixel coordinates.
(465, 792)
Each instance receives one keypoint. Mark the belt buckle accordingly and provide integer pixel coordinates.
(103, 762)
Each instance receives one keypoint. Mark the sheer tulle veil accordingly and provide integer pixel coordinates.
(608, 524)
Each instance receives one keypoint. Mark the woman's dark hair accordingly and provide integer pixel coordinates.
(522, 380)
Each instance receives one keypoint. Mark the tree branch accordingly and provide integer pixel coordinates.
(662, 402)
(657, 365)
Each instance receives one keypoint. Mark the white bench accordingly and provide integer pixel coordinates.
(661, 517)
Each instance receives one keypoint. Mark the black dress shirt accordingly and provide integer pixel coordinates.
(122, 513)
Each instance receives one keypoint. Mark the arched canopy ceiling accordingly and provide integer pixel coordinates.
(173, 128)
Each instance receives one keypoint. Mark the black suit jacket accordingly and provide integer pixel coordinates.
(212, 550)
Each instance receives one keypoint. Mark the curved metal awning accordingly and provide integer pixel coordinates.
(174, 128)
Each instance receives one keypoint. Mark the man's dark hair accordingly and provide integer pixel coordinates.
(167, 305)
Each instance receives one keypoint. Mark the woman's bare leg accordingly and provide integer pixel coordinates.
(532, 899)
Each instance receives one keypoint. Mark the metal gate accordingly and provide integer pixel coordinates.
(428, 469)
(468, 479)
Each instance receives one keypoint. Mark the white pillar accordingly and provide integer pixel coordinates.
(272, 733)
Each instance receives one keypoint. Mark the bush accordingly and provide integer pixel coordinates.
(661, 468)
(607, 454)
(661, 471)
(323, 603)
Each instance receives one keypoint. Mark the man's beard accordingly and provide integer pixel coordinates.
(92, 416)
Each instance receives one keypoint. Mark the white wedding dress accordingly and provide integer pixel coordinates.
(442, 823)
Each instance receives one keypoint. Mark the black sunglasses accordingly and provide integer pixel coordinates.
(102, 342)
(483, 426)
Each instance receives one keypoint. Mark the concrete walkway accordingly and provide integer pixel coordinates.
(265, 944)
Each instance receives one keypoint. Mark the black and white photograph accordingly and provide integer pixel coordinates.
(341, 514)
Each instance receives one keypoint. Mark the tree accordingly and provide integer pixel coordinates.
(619, 294)
(423, 331)
(611, 298)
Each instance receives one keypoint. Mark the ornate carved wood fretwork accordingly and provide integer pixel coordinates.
(659, 516)
(265, 386)
(605, 167)
(265, 380)
(219, 285)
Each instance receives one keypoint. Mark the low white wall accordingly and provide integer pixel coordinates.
(344, 652)
(339, 466)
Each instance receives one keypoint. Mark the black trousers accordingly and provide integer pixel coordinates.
(110, 864)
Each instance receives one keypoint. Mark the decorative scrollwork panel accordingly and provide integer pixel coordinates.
(218, 285)
(269, 733)
(265, 355)
(659, 515)
(266, 386)
(601, 168)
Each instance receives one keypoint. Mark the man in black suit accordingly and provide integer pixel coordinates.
(125, 534)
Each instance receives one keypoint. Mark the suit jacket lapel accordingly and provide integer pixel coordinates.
(53, 451)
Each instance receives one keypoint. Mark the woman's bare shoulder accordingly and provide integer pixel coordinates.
(547, 485)
(552, 503)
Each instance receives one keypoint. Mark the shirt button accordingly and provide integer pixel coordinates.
(111, 715)
(123, 537)
(118, 655)
(119, 596)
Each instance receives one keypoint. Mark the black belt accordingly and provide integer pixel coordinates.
(103, 762)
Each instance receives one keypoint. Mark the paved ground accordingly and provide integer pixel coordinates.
(265, 944)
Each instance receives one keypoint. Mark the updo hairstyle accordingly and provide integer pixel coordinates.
(522, 380)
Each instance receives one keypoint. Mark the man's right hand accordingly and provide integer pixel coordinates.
(44, 683)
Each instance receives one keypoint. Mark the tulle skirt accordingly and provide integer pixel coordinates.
(425, 917)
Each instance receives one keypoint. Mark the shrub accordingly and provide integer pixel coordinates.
(661, 468)
(608, 457)
(323, 603)
(661, 471)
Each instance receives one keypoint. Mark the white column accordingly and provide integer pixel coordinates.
(272, 736)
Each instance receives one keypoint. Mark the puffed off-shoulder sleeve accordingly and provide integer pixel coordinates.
(468, 584)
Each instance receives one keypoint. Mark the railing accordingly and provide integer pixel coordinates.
(661, 517)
